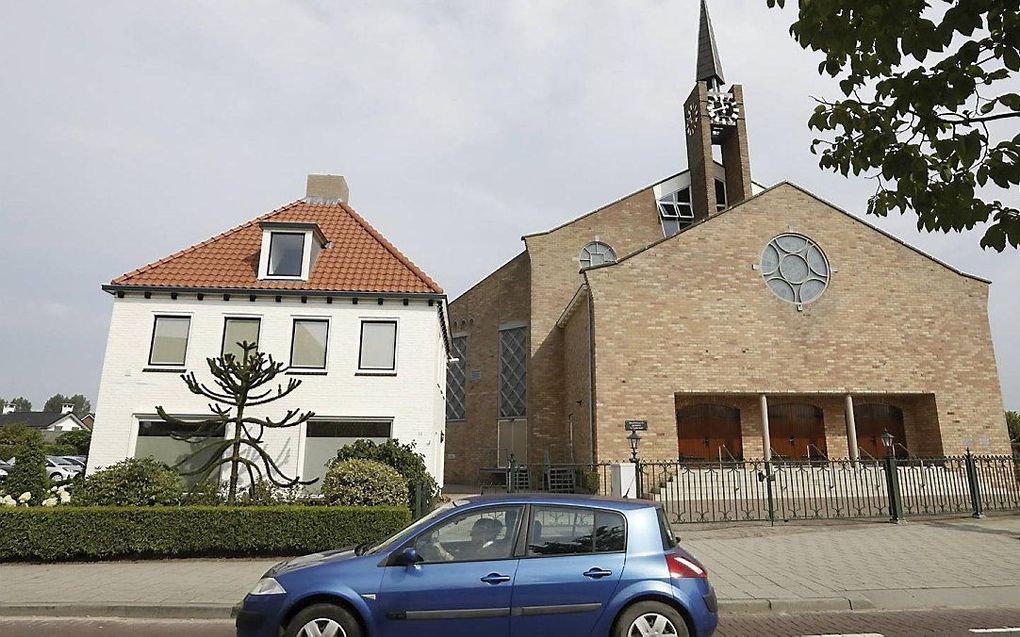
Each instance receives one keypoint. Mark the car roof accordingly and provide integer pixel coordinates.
(619, 504)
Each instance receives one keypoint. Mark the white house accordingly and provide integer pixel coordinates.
(50, 423)
(319, 289)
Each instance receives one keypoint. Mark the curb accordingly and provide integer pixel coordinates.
(794, 605)
(129, 611)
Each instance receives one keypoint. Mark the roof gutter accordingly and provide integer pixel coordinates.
(114, 289)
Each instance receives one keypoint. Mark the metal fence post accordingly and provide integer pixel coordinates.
(893, 482)
(638, 471)
(769, 478)
(511, 474)
(972, 483)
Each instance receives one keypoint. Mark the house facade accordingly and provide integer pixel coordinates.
(739, 321)
(317, 288)
(50, 423)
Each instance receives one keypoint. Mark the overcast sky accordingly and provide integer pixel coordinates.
(133, 129)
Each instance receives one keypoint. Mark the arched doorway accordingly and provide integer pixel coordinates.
(872, 419)
(797, 432)
(707, 431)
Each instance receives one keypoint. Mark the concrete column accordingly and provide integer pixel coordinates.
(851, 429)
(766, 438)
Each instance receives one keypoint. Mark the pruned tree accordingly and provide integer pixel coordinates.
(929, 108)
(240, 384)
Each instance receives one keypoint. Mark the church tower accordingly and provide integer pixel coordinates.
(715, 117)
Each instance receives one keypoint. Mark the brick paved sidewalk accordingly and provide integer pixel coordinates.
(950, 563)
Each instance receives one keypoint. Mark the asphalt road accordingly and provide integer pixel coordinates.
(970, 623)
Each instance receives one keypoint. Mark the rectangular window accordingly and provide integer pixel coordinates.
(154, 441)
(308, 349)
(237, 331)
(513, 372)
(286, 253)
(573, 531)
(456, 390)
(324, 438)
(169, 340)
(378, 346)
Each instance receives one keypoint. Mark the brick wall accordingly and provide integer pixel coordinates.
(691, 315)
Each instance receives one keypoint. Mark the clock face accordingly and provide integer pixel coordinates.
(693, 114)
(723, 109)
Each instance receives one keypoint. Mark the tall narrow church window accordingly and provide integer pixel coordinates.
(675, 211)
(513, 372)
(720, 195)
(596, 253)
(795, 268)
(455, 381)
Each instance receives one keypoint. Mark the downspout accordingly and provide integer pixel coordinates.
(591, 368)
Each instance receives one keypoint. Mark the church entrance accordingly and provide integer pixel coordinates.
(797, 432)
(708, 431)
(872, 419)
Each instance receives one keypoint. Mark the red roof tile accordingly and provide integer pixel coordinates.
(359, 259)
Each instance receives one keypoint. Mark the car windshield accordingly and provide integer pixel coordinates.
(409, 530)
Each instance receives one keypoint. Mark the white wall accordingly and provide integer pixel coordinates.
(412, 398)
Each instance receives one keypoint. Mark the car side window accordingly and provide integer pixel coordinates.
(575, 530)
(481, 535)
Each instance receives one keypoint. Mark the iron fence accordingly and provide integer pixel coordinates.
(580, 478)
(734, 491)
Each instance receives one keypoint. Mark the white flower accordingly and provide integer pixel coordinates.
(53, 489)
(49, 502)
(8, 501)
(65, 497)
(25, 497)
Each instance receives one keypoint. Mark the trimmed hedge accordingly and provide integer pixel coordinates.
(90, 533)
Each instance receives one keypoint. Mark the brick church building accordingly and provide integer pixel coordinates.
(739, 321)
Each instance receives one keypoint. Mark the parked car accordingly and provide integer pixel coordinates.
(56, 471)
(507, 566)
(4, 470)
(71, 462)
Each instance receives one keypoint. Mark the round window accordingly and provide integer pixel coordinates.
(596, 253)
(795, 268)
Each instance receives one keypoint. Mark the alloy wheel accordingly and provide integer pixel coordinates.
(322, 627)
(652, 625)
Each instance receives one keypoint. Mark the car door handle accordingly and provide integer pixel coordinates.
(495, 578)
(596, 573)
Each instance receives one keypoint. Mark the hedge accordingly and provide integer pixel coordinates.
(91, 533)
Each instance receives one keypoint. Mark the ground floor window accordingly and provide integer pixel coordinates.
(154, 441)
(324, 438)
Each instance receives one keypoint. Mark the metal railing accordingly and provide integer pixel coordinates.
(783, 490)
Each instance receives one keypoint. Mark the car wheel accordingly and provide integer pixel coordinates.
(323, 620)
(650, 619)
(56, 477)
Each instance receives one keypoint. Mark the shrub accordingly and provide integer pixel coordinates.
(78, 440)
(14, 437)
(72, 533)
(29, 474)
(405, 460)
(60, 450)
(363, 483)
(131, 482)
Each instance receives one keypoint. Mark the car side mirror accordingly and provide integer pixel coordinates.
(408, 557)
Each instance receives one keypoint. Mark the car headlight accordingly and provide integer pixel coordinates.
(267, 586)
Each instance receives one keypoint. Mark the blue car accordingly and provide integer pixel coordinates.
(521, 565)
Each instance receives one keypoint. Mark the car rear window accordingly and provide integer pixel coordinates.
(575, 530)
(668, 537)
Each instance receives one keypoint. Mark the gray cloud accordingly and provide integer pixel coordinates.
(133, 129)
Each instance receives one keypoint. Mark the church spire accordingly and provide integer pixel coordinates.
(709, 65)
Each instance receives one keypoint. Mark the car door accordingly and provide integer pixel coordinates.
(463, 582)
(572, 565)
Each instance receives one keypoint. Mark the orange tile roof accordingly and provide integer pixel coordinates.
(359, 259)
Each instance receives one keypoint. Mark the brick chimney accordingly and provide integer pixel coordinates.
(326, 189)
(67, 408)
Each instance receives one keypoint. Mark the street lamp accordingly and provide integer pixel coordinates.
(887, 442)
(633, 439)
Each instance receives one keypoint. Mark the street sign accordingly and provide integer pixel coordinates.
(636, 425)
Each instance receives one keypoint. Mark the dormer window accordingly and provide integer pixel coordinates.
(286, 253)
(289, 250)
